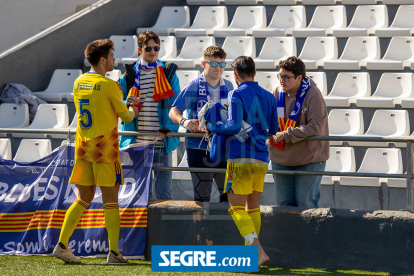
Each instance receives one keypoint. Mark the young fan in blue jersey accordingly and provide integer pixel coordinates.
(210, 86)
(248, 154)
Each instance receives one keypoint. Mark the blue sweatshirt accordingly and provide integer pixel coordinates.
(257, 107)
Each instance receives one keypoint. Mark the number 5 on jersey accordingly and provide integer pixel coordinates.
(86, 116)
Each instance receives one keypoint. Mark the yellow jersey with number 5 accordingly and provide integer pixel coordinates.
(98, 102)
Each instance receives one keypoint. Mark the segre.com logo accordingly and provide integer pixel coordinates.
(204, 258)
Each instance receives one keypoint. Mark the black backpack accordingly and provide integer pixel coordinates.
(169, 72)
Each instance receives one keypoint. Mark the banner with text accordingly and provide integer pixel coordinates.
(34, 198)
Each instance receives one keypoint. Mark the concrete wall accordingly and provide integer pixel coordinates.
(294, 237)
(21, 19)
(62, 45)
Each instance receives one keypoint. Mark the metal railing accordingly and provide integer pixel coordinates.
(408, 140)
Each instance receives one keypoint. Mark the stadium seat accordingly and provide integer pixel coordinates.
(169, 19)
(60, 85)
(320, 79)
(366, 19)
(359, 2)
(318, 2)
(347, 88)
(186, 76)
(245, 20)
(31, 150)
(358, 50)
(241, 2)
(168, 49)
(317, 50)
(397, 2)
(73, 125)
(376, 161)
(229, 75)
(5, 149)
(206, 20)
(48, 116)
(17, 116)
(274, 50)
(182, 175)
(340, 160)
(324, 20)
(391, 89)
(236, 46)
(279, 2)
(203, 2)
(192, 51)
(345, 122)
(400, 54)
(403, 24)
(267, 80)
(113, 75)
(284, 20)
(387, 124)
(125, 47)
(396, 182)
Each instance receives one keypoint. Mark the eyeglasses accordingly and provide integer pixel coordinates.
(149, 48)
(284, 78)
(215, 63)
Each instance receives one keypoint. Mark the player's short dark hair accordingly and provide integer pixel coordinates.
(97, 49)
(244, 67)
(294, 65)
(214, 51)
(146, 36)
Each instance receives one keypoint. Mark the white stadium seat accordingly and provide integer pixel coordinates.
(203, 2)
(320, 79)
(168, 49)
(318, 2)
(236, 46)
(267, 80)
(284, 20)
(48, 116)
(169, 19)
(126, 47)
(192, 51)
(366, 19)
(376, 161)
(186, 76)
(340, 160)
(60, 85)
(403, 24)
(5, 149)
(182, 175)
(274, 50)
(397, 2)
(279, 2)
(387, 124)
(358, 2)
(317, 50)
(206, 20)
(17, 116)
(245, 20)
(241, 2)
(347, 88)
(229, 75)
(32, 150)
(400, 54)
(391, 89)
(358, 50)
(113, 75)
(73, 125)
(345, 122)
(324, 20)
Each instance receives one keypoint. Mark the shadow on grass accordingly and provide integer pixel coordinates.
(296, 271)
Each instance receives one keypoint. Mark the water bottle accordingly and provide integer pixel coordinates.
(244, 132)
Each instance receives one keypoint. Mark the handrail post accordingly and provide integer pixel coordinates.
(409, 176)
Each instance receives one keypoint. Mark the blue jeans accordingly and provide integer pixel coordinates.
(298, 190)
(161, 179)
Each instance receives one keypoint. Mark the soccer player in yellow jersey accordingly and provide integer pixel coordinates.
(98, 103)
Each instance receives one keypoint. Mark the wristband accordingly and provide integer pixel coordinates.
(183, 121)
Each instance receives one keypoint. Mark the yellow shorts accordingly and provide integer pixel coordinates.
(244, 178)
(99, 174)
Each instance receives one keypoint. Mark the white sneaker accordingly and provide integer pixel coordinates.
(113, 259)
(65, 255)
